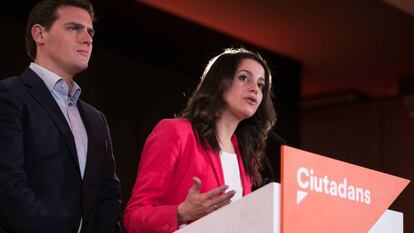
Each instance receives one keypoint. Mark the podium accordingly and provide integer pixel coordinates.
(297, 206)
(259, 212)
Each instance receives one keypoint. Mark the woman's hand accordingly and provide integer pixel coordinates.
(197, 205)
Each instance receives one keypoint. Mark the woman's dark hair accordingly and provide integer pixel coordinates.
(45, 14)
(207, 102)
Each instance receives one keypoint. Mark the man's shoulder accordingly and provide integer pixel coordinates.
(12, 93)
(17, 82)
(9, 84)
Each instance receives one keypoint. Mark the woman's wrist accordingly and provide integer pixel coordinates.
(180, 215)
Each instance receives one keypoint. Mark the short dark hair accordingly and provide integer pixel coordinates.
(207, 102)
(45, 14)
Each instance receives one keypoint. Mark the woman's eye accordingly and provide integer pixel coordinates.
(261, 86)
(243, 78)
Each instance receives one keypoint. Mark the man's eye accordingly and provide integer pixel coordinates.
(91, 33)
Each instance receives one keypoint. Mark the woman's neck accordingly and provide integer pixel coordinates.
(226, 126)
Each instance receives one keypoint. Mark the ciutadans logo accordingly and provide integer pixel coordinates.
(309, 181)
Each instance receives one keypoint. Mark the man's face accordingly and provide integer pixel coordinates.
(67, 45)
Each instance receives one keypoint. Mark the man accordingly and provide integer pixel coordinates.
(56, 164)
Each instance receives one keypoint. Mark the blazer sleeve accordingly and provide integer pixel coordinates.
(20, 209)
(146, 211)
(108, 209)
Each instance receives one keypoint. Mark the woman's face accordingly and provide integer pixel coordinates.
(245, 93)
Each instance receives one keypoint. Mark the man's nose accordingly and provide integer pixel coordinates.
(86, 38)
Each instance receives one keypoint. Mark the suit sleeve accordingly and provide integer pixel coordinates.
(146, 211)
(108, 209)
(20, 209)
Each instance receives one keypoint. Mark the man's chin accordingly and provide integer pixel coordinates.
(83, 66)
(79, 68)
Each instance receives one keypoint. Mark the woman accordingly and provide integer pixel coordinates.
(218, 142)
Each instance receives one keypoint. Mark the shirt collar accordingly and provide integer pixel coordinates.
(56, 84)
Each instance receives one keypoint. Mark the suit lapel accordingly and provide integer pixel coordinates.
(88, 123)
(97, 142)
(42, 95)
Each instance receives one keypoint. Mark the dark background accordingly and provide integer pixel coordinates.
(146, 62)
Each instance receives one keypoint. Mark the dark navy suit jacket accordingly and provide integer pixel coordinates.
(41, 189)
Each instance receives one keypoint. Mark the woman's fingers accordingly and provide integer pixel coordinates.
(196, 185)
(219, 205)
(222, 200)
(199, 204)
(215, 192)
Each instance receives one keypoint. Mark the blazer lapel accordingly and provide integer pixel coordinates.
(91, 133)
(42, 95)
(217, 166)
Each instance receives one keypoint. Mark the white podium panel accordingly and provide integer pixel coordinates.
(258, 212)
(390, 222)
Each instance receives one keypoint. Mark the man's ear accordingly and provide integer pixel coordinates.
(38, 33)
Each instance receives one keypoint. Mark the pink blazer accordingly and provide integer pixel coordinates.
(170, 158)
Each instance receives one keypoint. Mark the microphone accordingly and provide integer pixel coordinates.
(278, 138)
(274, 140)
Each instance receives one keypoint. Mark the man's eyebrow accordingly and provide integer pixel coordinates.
(81, 26)
(75, 24)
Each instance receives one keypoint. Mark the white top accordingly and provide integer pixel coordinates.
(231, 174)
